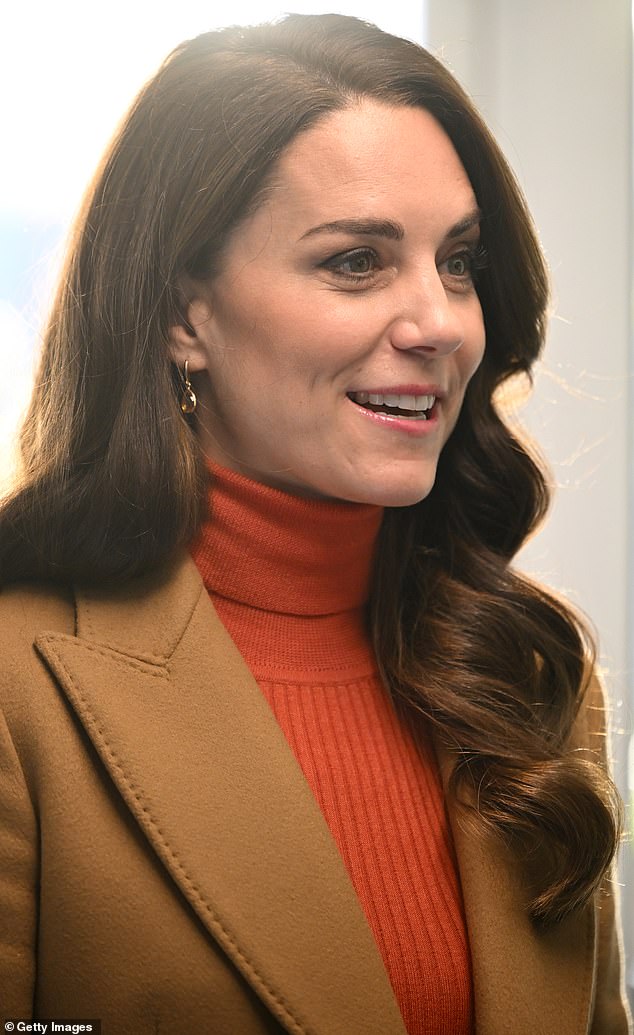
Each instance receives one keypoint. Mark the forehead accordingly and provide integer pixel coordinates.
(373, 155)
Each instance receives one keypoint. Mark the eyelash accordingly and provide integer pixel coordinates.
(476, 256)
(336, 262)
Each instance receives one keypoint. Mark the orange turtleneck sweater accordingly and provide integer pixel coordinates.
(289, 578)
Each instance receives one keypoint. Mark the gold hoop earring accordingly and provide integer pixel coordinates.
(188, 397)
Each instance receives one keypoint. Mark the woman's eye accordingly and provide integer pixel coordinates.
(354, 265)
(459, 265)
(464, 265)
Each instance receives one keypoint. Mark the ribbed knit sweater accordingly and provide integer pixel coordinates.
(289, 578)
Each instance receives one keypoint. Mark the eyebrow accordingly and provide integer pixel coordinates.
(370, 227)
(387, 228)
(472, 219)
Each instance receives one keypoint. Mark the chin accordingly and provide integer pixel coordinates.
(392, 492)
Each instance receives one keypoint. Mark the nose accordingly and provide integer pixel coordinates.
(427, 320)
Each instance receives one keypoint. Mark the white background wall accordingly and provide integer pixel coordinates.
(554, 81)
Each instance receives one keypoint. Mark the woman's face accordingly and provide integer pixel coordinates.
(335, 345)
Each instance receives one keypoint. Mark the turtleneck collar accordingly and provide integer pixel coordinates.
(283, 553)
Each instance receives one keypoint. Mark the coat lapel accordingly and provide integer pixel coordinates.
(524, 981)
(197, 755)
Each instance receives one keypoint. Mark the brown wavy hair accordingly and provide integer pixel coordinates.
(113, 481)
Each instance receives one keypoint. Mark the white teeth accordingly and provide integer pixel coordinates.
(402, 402)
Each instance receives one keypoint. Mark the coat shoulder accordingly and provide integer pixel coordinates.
(28, 696)
(28, 605)
(26, 610)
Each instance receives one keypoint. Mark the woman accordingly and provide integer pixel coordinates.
(287, 745)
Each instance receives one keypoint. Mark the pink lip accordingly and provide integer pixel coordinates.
(415, 428)
(403, 390)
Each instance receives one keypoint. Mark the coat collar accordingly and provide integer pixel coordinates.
(201, 762)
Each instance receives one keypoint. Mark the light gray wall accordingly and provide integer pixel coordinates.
(553, 79)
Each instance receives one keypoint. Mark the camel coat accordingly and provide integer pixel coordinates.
(165, 867)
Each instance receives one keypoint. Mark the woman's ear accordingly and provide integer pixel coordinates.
(190, 334)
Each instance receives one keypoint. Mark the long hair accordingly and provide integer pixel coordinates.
(113, 481)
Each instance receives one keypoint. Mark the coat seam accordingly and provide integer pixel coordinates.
(84, 605)
(150, 668)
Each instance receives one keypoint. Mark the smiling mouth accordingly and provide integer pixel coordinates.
(407, 407)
